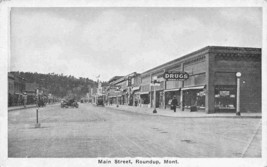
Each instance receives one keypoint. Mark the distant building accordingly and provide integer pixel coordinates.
(120, 89)
(16, 88)
(31, 88)
(11, 83)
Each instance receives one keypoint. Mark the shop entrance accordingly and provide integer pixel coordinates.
(194, 97)
(169, 96)
(159, 99)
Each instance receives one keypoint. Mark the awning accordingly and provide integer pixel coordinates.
(135, 88)
(195, 87)
(142, 93)
(169, 90)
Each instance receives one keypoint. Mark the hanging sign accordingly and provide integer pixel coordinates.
(175, 76)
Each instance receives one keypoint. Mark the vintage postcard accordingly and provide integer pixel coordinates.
(116, 83)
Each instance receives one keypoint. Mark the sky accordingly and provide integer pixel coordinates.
(92, 41)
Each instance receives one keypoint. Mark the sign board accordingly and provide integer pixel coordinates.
(175, 76)
(155, 84)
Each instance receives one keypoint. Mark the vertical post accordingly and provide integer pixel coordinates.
(37, 116)
(37, 124)
(154, 84)
(117, 100)
(238, 75)
(150, 92)
(154, 111)
(164, 99)
(155, 100)
(181, 100)
(150, 97)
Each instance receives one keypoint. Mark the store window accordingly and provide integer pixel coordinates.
(225, 97)
(194, 97)
(144, 98)
(201, 98)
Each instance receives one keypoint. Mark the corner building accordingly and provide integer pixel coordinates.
(212, 83)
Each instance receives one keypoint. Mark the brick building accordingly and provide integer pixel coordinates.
(212, 82)
(122, 88)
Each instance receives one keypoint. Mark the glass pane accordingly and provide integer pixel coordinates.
(225, 97)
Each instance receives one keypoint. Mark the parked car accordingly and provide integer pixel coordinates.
(69, 103)
(100, 101)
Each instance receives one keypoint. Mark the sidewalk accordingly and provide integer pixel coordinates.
(13, 108)
(182, 114)
(21, 107)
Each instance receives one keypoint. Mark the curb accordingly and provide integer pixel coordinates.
(21, 108)
(27, 107)
(208, 116)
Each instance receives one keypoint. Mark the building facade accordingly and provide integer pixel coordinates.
(212, 82)
(121, 89)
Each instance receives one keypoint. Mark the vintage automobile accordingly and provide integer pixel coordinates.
(69, 103)
(100, 101)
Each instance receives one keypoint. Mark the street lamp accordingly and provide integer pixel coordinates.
(155, 83)
(238, 75)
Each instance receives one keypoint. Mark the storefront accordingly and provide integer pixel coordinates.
(169, 95)
(144, 98)
(225, 98)
(112, 100)
(194, 96)
(212, 81)
(135, 96)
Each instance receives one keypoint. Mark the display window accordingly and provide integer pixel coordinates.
(201, 98)
(194, 97)
(144, 98)
(225, 97)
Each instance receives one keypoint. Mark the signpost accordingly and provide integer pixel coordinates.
(37, 124)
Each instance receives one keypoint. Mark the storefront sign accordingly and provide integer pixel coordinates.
(175, 76)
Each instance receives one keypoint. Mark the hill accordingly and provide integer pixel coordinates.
(60, 85)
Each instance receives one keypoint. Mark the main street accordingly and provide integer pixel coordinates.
(92, 131)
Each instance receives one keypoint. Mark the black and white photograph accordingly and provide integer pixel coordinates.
(130, 85)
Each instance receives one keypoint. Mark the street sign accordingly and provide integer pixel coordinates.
(175, 76)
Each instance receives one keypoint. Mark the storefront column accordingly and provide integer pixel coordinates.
(150, 99)
(164, 88)
(163, 99)
(210, 88)
(150, 92)
(181, 91)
